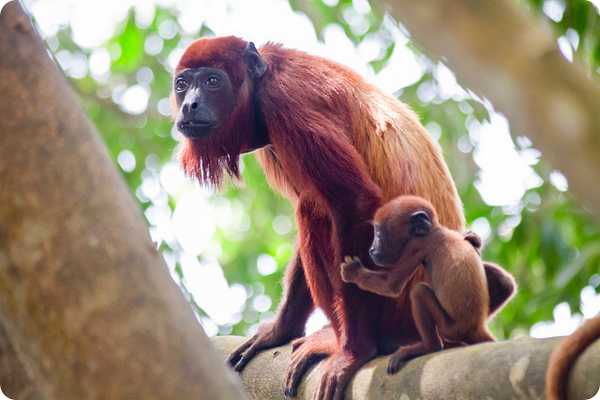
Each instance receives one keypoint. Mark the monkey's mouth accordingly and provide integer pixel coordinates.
(384, 259)
(196, 128)
(382, 263)
(381, 260)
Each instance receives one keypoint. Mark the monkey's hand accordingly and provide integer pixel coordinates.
(350, 268)
(270, 334)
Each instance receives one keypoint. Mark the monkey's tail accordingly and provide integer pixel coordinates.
(564, 356)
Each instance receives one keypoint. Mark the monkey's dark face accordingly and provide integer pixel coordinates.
(392, 235)
(213, 92)
(205, 100)
(384, 251)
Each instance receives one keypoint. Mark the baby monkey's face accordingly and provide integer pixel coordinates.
(395, 226)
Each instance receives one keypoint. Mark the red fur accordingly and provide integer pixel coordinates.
(220, 52)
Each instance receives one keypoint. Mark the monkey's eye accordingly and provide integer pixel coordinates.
(213, 81)
(181, 85)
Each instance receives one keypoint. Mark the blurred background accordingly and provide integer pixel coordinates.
(228, 250)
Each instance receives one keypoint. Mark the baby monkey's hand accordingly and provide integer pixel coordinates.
(350, 268)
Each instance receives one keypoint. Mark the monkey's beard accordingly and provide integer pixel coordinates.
(208, 159)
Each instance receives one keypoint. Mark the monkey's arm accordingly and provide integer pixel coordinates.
(380, 282)
(289, 322)
(314, 147)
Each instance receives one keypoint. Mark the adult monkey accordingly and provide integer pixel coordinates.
(337, 147)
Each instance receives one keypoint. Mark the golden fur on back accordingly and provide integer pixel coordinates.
(400, 155)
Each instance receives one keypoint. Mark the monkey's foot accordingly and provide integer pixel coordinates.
(350, 267)
(307, 351)
(339, 370)
(403, 354)
(270, 334)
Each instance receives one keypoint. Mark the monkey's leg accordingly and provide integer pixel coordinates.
(481, 335)
(311, 349)
(289, 322)
(501, 285)
(429, 316)
(315, 236)
(357, 313)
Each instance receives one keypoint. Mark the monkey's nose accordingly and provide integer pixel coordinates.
(377, 257)
(373, 253)
(189, 110)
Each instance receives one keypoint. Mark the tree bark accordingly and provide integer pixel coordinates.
(493, 371)
(15, 381)
(85, 297)
(498, 50)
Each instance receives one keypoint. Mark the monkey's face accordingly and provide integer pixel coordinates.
(384, 250)
(213, 97)
(205, 99)
(393, 234)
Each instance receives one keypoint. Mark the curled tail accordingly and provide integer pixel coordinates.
(565, 355)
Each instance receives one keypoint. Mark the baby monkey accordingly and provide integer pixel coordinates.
(453, 302)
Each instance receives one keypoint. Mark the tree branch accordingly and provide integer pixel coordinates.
(502, 370)
(501, 52)
(85, 297)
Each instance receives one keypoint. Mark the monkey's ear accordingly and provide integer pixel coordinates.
(474, 239)
(254, 62)
(420, 223)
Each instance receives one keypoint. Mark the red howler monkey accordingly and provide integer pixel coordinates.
(453, 302)
(337, 147)
(564, 356)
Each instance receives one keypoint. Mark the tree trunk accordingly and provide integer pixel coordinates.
(14, 379)
(85, 298)
(493, 371)
(501, 52)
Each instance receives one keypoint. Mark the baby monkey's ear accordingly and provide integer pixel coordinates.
(474, 239)
(420, 223)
